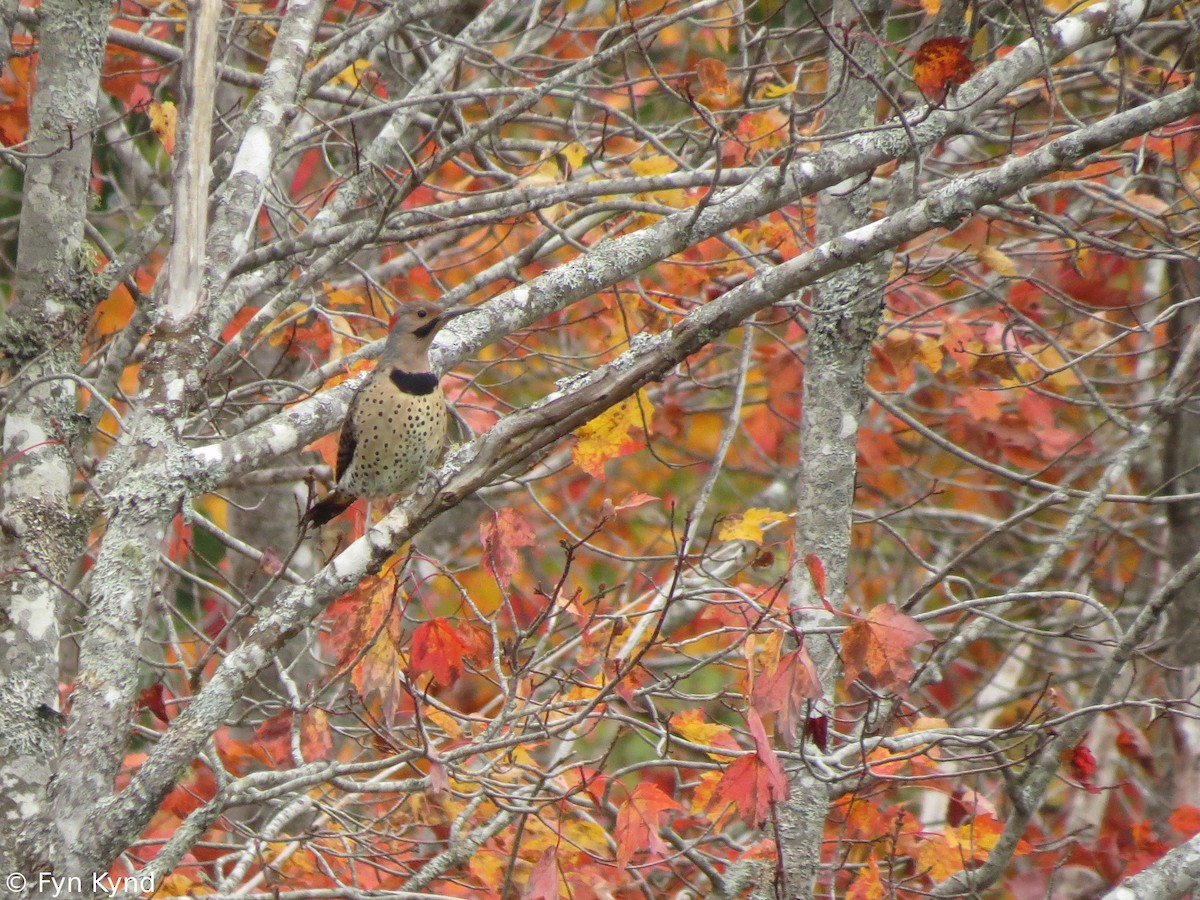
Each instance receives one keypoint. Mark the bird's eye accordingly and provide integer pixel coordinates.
(421, 313)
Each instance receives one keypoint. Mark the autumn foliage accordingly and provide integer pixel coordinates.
(588, 680)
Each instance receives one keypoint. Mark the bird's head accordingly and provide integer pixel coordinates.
(411, 331)
(421, 319)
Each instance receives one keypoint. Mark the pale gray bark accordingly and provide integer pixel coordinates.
(41, 536)
(846, 311)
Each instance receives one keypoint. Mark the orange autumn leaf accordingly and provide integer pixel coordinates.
(982, 405)
(437, 649)
(638, 821)
(867, 884)
(16, 85)
(876, 649)
(940, 64)
(715, 90)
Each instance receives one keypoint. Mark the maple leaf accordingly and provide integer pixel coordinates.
(867, 884)
(784, 689)
(543, 881)
(607, 436)
(940, 64)
(437, 648)
(753, 782)
(876, 649)
(502, 537)
(977, 838)
(936, 858)
(693, 726)
(638, 820)
(984, 406)
(750, 525)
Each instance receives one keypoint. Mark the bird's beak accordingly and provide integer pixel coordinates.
(453, 312)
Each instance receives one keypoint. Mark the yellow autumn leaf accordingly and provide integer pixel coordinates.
(162, 122)
(750, 525)
(692, 726)
(351, 76)
(931, 7)
(444, 721)
(575, 154)
(652, 165)
(997, 260)
(608, 435)
(774, 91)
(488, 867)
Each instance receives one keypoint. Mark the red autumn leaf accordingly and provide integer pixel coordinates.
(272, 742)
(437, 648)
(876, 649)
(940, 64)
(816, 729)
(816, 571)
(502, 537)
(1186, 820)
(543, 880)
(638, 820)
(753, 782)
(152, 699)
(784, 690)
(1133, 743)
(1083, 766)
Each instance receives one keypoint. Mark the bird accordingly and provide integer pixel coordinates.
(395, 425)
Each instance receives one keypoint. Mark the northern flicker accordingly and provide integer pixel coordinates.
(395, 425)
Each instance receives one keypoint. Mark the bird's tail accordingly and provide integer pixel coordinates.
(333, 504)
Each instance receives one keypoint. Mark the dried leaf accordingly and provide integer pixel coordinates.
(785, 689)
